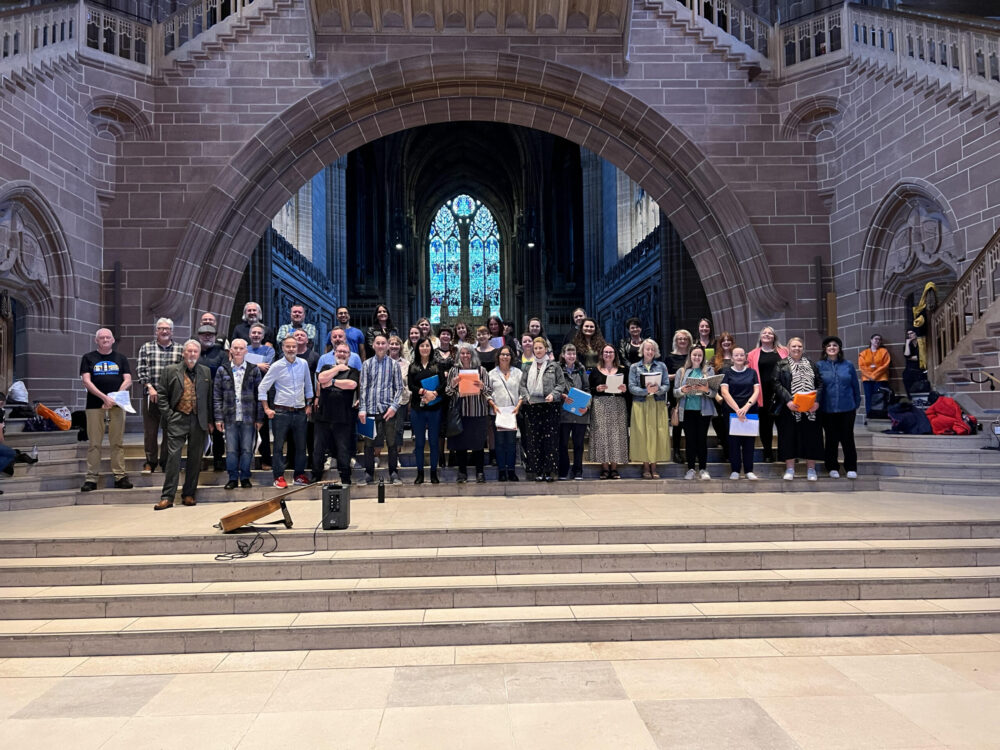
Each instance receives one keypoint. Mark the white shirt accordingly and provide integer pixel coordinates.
(292, 383)
(238, 372)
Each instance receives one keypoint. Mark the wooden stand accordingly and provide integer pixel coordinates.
(253, 512)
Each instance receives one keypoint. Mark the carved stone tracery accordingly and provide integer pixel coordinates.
(921, 246)
(22, 261)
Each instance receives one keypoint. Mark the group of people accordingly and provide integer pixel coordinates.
(467, 392)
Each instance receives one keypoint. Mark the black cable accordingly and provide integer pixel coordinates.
(246, 548)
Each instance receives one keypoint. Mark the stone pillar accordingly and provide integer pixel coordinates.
(336, 226)
(593, 220)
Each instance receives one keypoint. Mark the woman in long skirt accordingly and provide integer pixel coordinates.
(474, 409)
(800, 434)
(542, 389)
(609, 421)
(648, 382)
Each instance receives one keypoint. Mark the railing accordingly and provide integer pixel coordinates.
(201, 15)
(978, 288)
(117, 35)
(37, 34)
(735, 20)
(813, 37)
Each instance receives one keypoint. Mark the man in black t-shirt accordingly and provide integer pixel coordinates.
(104, 372)
(335, 414)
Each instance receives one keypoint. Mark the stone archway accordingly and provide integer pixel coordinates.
(35, 264)
(910, 241)
(491, 87)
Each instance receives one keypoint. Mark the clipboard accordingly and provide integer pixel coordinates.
(576, 401)
(748, 428)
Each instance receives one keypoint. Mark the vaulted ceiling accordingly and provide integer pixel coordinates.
(601, 17)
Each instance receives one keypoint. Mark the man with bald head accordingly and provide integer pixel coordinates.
(104, 372)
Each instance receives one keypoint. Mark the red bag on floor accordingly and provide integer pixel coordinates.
(945, 416)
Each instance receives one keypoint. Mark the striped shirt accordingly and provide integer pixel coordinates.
(153, 359)
(292, 383)
(381, 385)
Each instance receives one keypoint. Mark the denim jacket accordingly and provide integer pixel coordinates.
(635, 382)
(707, 399)
(841, 391)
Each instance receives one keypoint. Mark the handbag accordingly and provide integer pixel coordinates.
(675, 415)
(454, 426)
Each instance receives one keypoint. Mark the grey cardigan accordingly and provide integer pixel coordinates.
(553, 381)
(707, 399)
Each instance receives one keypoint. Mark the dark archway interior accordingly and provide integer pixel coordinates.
(554, 252)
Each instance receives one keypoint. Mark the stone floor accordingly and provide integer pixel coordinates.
(876, 692)
(520, 512)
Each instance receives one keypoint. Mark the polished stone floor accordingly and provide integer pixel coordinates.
(876, 692)
(622, 508)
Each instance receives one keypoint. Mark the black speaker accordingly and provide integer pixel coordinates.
(336, 506)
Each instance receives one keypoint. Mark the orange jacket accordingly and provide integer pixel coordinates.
(874, 365)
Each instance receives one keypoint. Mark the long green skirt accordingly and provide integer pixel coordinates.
(650, 437)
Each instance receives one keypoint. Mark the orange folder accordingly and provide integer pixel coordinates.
(468, 383)
(804, 401)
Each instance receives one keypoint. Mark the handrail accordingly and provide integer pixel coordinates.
(975, 291)
(198, 17)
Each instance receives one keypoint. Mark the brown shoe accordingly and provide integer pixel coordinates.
(189, 501)
(165, 502)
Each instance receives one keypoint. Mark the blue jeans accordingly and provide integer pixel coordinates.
(6, 456)
(506, 450)
(286, 422)
(424, 421)
(239, 449)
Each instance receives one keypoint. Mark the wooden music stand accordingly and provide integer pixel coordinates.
(253, 512)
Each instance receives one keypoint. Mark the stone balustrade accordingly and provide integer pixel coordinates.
(198, 17)
(37, 35)
(735, 20)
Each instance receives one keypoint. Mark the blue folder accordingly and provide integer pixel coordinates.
(431, 384)
(576, 401)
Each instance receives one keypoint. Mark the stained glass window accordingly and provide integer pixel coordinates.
(464, 232)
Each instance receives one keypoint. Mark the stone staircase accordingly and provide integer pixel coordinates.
(919, 464)
(123, 595)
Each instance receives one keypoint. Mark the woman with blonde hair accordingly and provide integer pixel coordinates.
(542, 388)
(648, 382)
(800, 434)
(680, 347)
(763, 359)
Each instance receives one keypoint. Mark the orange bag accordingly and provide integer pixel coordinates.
(804, 401)
(58, 420)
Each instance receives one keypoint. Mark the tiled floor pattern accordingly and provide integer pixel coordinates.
(876, 692)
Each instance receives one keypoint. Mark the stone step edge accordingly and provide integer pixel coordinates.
(529, 564)
(478, 536)
(392, 555)
(285, 638)
(475, 595)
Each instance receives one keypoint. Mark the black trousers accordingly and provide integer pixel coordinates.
(767, 423)
(575, 432)
(838, 430)
(463, 460)
(333, 440)
(696, 429)
(265, 441)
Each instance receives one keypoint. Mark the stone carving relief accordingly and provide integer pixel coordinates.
(21, 257)
(921, 244)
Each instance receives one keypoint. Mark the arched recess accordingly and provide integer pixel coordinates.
(119, 116)
(504, 88)
(813, 117)
(911, 240)
(35, 263)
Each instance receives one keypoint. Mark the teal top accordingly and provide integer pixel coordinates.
(692, 402)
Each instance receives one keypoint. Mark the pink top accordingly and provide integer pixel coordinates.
(753, 360)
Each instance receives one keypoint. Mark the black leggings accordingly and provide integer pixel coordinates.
(696, 429)
(838, 429)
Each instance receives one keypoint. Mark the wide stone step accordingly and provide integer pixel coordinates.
(493, 625)
(36, 551)
(508, 560)
(365, 594)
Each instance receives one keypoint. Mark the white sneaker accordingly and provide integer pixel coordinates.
(704, 475)
(734, 475)
(394, 479)
(365, 480)
(811, 475)
(852, 475)
(328, 464)
(751, 476)
(789, 475)
(834, 474)
(689, 474)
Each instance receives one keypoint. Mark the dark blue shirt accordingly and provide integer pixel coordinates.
(740, 386)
